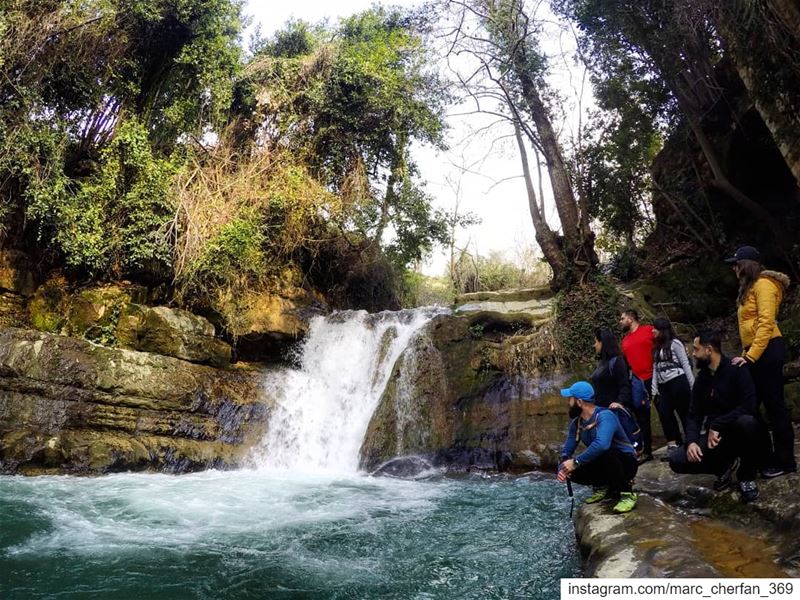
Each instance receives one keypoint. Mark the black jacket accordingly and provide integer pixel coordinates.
(720, 399)
(612, 383)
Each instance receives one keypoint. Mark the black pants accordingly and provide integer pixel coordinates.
(767, 373)
(613, 468)
(740, 440)
(673, 397)
(643, 420)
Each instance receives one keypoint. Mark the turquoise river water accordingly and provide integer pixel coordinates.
(267, 534)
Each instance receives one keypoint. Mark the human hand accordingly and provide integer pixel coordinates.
(714, 438)
(615, 405)
(738, 361)
(694, 453)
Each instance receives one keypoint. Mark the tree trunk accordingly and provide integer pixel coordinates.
(545, 237)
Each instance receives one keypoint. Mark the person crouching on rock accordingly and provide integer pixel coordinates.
(724, 402)
(609, 461)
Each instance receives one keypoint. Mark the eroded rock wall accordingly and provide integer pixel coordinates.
(70, 406)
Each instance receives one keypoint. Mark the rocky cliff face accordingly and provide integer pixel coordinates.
(68, 405)
(475, 389)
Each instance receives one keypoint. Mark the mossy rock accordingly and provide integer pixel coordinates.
(48, 307)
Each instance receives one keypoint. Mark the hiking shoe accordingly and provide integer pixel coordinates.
(771, 472)
(748, 490)
(724, 481)
(597, 495)
(627, 502)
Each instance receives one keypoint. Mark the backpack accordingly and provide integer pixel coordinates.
(630, 426)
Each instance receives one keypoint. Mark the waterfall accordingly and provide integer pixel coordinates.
(323, 408)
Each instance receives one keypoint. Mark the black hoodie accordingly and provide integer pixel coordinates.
(720, 398)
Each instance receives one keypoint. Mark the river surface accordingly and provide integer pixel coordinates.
(259, 534)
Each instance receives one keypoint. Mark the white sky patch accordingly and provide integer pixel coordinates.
(485, 167)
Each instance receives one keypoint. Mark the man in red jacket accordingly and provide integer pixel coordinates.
(637, 348)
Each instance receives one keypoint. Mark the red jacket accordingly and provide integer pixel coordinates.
(637, 347)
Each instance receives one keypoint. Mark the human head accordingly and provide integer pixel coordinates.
(663, 332)
(628, 319)
(581, 395)
(706, 346)
(605, 343)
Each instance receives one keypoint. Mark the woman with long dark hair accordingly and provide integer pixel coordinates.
(764, 350)
(611, 380)
(672, 381)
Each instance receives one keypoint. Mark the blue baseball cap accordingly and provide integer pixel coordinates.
(582, 390)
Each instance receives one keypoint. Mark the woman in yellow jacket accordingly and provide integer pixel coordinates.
(760, 296)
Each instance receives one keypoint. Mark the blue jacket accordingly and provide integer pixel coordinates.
(598, 433)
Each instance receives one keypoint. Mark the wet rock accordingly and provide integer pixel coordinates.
(404, 467)
(71, 406)
(466, 403)
(656, 540)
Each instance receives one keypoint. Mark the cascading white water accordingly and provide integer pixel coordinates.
(323, 408)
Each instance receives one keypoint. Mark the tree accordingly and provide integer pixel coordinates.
(351, 100)
(671, 44)
(511, 74)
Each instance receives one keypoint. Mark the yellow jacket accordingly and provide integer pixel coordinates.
(758, 315)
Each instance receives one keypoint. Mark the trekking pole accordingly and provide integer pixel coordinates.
(571, 497)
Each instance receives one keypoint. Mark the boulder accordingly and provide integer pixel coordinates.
(70, 406)
(265, 324)
(171, 332)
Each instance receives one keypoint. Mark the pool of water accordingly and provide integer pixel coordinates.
(259, 534)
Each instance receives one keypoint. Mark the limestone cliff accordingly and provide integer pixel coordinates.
(69, 405)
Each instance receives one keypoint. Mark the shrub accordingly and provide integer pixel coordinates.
(579, 311)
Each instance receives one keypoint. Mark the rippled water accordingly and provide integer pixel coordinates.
(255, 534)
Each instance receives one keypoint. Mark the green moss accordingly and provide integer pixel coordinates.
(579, 311)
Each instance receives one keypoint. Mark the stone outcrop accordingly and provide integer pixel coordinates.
(683, 528)
(71, 406)
(171, 332)
(463, 397)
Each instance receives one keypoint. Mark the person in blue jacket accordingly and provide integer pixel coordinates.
(609, 461)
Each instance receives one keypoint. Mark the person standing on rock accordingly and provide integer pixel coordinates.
(609, 461)
(611, 379)
(672, 381)
(724, 404)
(760, 296)
(637, 348)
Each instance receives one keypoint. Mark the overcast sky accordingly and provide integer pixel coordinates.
(492, 188)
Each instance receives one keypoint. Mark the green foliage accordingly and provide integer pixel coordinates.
(579, 311)
(238, 249)
(350, 100)
(114, 222)
(423, 290)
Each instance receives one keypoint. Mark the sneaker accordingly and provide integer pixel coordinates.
(748, 490)
(724, 481)
(627, 502)
(771, 472)
(597, 495)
